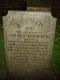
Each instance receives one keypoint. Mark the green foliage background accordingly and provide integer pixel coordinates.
(56, 50)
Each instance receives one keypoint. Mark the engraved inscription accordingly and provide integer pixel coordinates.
(28, 40)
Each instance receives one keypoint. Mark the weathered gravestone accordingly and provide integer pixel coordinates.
(28, 42)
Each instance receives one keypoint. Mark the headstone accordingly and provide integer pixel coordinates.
(28, 42)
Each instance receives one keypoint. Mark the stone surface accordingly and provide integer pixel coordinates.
(28, 42)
